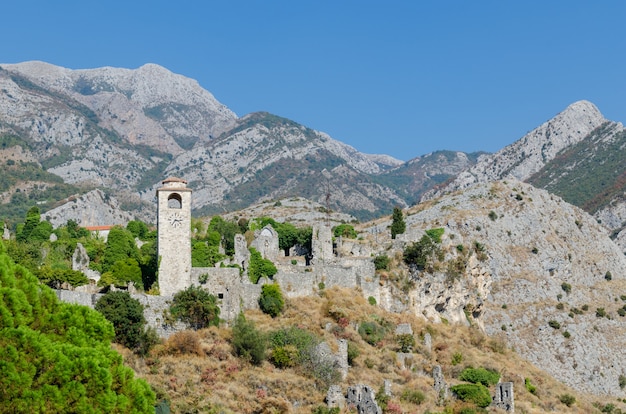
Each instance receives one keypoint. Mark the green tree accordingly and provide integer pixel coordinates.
(398, 226)
(57, 357)
(126, 315)
(33, 217)
(120, 246)
(138, 229)
(420, 253)
(271, 300)
(247, 341)
(227, 229)
(122, 272)
(345, 230)
(197, 307)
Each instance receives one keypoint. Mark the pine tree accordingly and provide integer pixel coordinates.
(398, 226)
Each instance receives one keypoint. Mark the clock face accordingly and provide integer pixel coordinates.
(175, 219)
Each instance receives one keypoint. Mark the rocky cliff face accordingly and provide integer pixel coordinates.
(578, 155)
(550, 282)
(530, 153)
(126, 130)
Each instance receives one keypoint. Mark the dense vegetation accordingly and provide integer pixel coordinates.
(589, 174)
(57, 357)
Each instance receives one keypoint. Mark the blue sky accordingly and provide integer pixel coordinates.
(398, 77)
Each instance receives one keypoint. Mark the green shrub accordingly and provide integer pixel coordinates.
(294, 262)
(413, 396)
(248, 342)
(353, 352)
(126, 315)
(567, 399)
(371, 300)
(493, 215)
(420, 253)
(345, 230)
(622, 381)
(480, 376)
(530, 387)
(372, 332)
(600, 313)
(608, 276)
(285, 356)
(406, 342)
(554, 324)
(381, 262)
(260, 267)
(566, 334)
(196, 307)
(457, 358)
(474, 393)
(567, 288)
(271, 300)
(322, 409)
(435, 234)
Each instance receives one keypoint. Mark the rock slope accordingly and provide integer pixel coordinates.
(551, 282)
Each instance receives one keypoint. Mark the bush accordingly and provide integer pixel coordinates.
(184, 342)
(567, 399)
(260, 267)
(371, 300)
(271, 300)
(493, 215)
(480, 376)
(299, 339)
(474, 393)
(285, 356)
(419, 253)
(406, 342)
(196, 307)
(554, 324)
(413, 396)
(248, 342)
(345, 230)
(567, 288)
(371, 332)
(353, 352)
(381, 262)
(622, 382)
(530, 387)
(126, 315)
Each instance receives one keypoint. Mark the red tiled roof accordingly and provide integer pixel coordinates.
(99, 228)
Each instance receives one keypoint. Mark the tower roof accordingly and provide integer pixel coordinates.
(174, 180)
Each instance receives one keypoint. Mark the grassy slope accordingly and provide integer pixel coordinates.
(210, 379)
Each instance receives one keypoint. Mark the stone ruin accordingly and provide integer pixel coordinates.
(361, 397)
(504, 397)
(443, 392)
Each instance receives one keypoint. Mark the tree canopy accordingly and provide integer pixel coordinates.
(57, 357)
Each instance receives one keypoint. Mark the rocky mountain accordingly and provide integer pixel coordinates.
(528, 268)
(578, 155)
(125, 130)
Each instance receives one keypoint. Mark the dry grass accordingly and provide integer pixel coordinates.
(198, 372)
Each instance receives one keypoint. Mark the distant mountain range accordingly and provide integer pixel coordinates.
(65, 132)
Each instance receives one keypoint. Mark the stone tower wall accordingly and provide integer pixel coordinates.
(174, 236)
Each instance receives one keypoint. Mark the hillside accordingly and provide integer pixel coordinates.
(578, 155)
(198, 372)
(512, 259)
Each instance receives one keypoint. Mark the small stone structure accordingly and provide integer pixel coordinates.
(322, 244)
(80, 262)
(362, 397)
(440, 385)
(266, 243)
(504, 397)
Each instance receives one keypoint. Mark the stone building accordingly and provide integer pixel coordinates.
(174, 235)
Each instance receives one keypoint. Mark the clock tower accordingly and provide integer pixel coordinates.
(174, 236)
